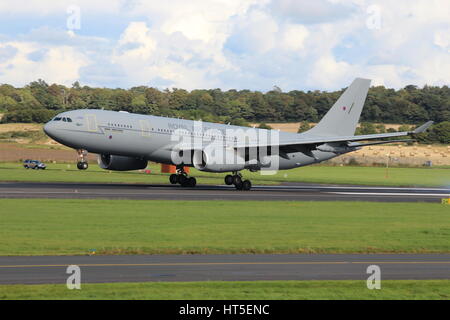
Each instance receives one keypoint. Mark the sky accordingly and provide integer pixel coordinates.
(227, 44)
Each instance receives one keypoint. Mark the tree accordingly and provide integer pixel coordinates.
(304, 126)
(366, 128)
(264, 126)
(440, 133)
(122, 100)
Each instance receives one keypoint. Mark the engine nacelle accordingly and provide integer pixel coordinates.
(218, 160)
(120, 163)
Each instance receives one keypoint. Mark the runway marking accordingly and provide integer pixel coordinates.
(224, 263)
(351, 187)
(393, 194)
(221, 194)
(137, 194)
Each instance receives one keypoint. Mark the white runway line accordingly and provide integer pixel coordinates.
(356, 188)
(394, 194)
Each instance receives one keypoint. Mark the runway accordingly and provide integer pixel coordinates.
(287, 192)
(97, 269)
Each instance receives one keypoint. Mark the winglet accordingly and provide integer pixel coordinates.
(423, 127)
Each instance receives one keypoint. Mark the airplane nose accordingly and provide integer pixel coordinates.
(49, 129)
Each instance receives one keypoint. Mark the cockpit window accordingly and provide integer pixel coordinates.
(64, 119)
(57, 119)
(69, 120)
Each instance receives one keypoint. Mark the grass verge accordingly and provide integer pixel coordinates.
(75, 227)
(257, 290)
(310, 174)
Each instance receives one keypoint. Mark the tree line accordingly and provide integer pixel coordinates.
(39, 102)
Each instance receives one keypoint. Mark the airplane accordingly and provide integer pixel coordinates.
(127, 141)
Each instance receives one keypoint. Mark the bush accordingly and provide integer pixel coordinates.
(304, 126)
(265, 126)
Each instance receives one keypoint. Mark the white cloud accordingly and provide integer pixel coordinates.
(311, 12)
(293, 37)
(57, 65)
(59, 7)
(299, 44)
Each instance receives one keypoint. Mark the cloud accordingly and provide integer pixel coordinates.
(52, 7)
(310, 12)
(28, 61)
(243, 44)
(7, 52)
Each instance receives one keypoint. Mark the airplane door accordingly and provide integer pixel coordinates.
(145, 128)
(92, 122)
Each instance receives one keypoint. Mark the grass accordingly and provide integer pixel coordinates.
(75, 227)
(257, 290)
(311, 174)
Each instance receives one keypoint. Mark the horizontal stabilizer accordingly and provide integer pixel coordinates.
(423, 127)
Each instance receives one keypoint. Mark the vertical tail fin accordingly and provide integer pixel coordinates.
(343, 117)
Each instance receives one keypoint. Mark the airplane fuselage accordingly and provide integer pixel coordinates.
(152, 137)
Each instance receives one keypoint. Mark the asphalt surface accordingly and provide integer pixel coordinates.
(302, 192)
(97, 269)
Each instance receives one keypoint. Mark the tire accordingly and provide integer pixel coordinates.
(173, 178)
(237, 180)
(238, 186)
(192, 182)
(26, 167)
(182, 179)
(229, 180)
(82, 165)
(246, 185)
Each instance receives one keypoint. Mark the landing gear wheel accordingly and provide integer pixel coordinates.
(182, 179)
(237, 180)
(191, 182)
(246, 185)
(173, 178)
(82, 165)
(239, 186)
(82, 159)
(229, 180)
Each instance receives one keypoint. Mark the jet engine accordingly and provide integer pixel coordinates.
(120, 163)
(218, 160)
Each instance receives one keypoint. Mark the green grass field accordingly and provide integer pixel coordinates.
(310, 174)
(62, 227)
(273, 290)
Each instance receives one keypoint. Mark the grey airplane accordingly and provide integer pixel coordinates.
(126, 141)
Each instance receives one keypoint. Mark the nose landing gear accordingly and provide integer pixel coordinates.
(182, 178)
(239, 184)
(82, 163)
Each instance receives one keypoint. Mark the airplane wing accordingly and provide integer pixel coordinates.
(308, 143)
(317, 140)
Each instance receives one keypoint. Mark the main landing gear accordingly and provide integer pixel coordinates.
(82, 163)
(182, 178)
(236, 179)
